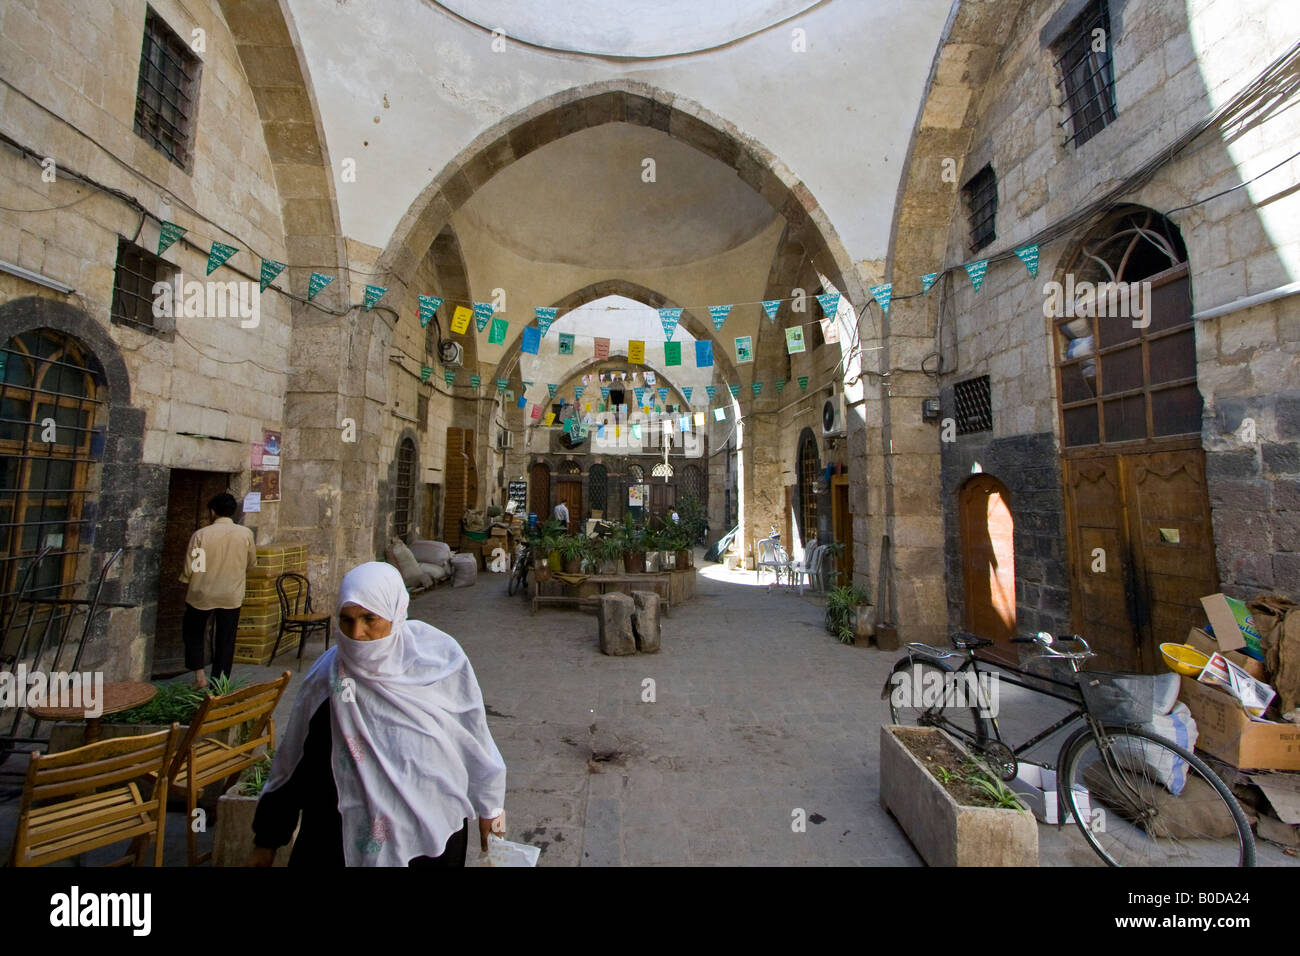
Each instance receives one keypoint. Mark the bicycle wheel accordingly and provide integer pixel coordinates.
(517, 574)
(924, 695)
(1121, 792)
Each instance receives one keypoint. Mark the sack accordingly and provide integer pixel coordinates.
(430, 552)
(1177, 727)
(400, 556)
(504, 853)
(464, 570)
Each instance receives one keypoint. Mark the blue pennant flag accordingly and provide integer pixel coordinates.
(604, 392)
(976, 272)
(545, 316)
(532, 340)
(927, 281)
(482, 312)
(577, 393)
(710, 390)
(830, 303)
(639, 392)
(663, 394)
(429, 304)
(770, 306)
(882, 295)
(687, 392)
(551, 389)
(1029, 256)
(703, 353)
(719, 313)
(669, 319)
(735, 391)
(373, 294)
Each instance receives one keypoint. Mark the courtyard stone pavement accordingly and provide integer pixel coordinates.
(758, 717)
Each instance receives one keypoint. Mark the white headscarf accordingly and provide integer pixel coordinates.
(412, 755)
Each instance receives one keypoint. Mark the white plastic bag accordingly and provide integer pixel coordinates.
(1178, 727)
(504, 853)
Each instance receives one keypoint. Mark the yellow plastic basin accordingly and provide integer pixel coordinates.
(1184, 659)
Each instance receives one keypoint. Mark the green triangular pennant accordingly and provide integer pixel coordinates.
(219, 254)
(449, 376)
(757, 387)
(373, 294)
(780, 385)
(1029, 256)
(316, 283)
(474, 381)
(429, 304)
(927, 281)
(270, 269)
(425, 372)
(169, 234)
(735, 391)
(803, 383)
(976, 272)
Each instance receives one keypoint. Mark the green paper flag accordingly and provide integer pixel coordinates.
(474, 381)
(373, 294)
(502, 383)
(803, 383)
(780, 386)
(672, 353)
(316, 283)
(449, 376)
(794, 339)
(757, 387)
(735, 391)
(219, 254)
(882, 295)
(927, 280)
(169, 234)
(425, 372)
(498, 334)
(429, 304)
(270, 269)
(1029, 256)
(976, 272)
(720, 414)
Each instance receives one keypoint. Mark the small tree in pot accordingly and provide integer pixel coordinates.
(573, 548)
(850, 615)
(632, 544)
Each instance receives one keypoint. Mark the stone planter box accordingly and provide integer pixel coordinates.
(232, 841)
(944, 832)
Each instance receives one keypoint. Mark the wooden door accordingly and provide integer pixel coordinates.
(457, 469)
(429, 519)
(188, 494)
(662, 497)
(842, 525)
(569, 490)
(1100, 560)
(539, 491)
(988, 559)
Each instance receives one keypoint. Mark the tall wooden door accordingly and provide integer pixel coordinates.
(569, 490)
(459, 470)
(188, 494)
(539, 491)
(842, 525)
(988, 559)
(1143, 552)
(662, 497)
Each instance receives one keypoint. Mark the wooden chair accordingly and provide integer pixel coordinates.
(203, 760)
(296, 614)
(102, 802)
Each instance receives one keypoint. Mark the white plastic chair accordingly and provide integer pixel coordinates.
(772, 555)
(807, 573)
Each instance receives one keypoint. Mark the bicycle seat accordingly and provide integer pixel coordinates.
(969, 641)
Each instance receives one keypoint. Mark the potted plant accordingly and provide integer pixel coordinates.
(654, 561)
(233, 839)
(573, 548)
(850, 615)
(174, 702)
(681, 544)
(834, 551)
(954, 810)
(693, 520)
(609, 551)
(632, 543)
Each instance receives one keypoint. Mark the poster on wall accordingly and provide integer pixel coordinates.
(517, 491)
(270, 450)
(267, 484)
(635, 496)
(255, 452)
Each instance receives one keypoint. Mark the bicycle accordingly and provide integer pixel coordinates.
(1135, 795)
(519, 570)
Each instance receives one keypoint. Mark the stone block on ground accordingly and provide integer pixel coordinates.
(616, 635)
(646, 621)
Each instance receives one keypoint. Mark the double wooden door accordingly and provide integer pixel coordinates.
(569, 490)
(1142, 551)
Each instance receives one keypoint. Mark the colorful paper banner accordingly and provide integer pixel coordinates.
(927, 280)
(757, 387)
(545, 316)
(770, 306)
(794, 339)
(474, 381)
(686, 391)
(719, 313)
(551, 389)
(600, 348)
(803, 383)
(830, 303)
(497, 334)
(449, 376)
(735, 390)
(663, 394)
(425, 372)
(672, 353)
(710, 390)
(719, 414)
(882, 295)
(566, 343)
(745, 349)
(703, 353)
(1029, 256)
(976, 271)
(636, 352)
(669, 318)
(531, 342)
(482, 312)
(460, 320)
(780, 385)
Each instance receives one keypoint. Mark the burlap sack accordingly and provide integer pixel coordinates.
(1278, 620)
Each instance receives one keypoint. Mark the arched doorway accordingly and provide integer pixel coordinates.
(598, 491)
(1141, 543)
(809, 472)
(988, 559)
(539, 491)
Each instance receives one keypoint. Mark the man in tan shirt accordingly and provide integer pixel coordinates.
(218, 558)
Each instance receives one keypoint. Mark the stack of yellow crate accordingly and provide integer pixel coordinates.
(259, 616)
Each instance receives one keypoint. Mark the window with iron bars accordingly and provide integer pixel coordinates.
(981, 195)
(1087, 75)
(974, 402)
(133, 298)
(167, 96)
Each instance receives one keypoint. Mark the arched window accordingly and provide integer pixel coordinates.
(635, 474)
(662, 470)
(809, 472)
(1126, 345)
(404, 493)
(570, 468)
(597, 488)
(51, 435)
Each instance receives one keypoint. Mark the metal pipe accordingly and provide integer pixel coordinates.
(1281, 292)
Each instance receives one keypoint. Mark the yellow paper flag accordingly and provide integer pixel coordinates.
(460, 319)
(636, 353)
(550, 418)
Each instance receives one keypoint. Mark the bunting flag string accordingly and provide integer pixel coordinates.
(577, 393)
(803, 383)
(1029, 256)
(449, 376)
(735, 390)
(927, 280)
(373, 294)
(219, 254)
(551, 388)
(719, 313)
(669, 318)
(501, 385)
(770, 306)
(663, 394)
(425, 372)
(482, 312)
(710, 390)
(976, 272)
(429, 304)
(169, 234)
(316, 283)
(686, 391)
(474, 381)
(545, 316)
(780, 385)
(830, 303)
(882, 294)
(639, 392)
(757, 387)
(604, 392)
(270, 269)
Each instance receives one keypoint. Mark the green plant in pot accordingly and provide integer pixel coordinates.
(693, 520)
(680, 540)
(573, 548)
(545, 541)
(632, 544)
(834, 551)
(653, 550)
(850, 615)
(609, 551)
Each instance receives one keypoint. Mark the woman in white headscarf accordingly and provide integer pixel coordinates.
(387, 753)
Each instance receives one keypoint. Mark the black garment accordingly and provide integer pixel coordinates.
(194, 626)
(312, 790)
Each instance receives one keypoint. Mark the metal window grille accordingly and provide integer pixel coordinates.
(422, 412)
(974, 405)
(662, 470)
(570, 468)
(635, 474)
(45, 493)
(1087, 74)
(693, 483)
(597, 488)
(137, 271)
(167, 93)
(405, 488)
(809, 471)
(981, 195)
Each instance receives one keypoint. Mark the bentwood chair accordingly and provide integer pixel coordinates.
(205, 756)
(296, 614)
(81, 800)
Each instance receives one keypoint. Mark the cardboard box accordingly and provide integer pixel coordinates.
(1234, 627)
(1037, 786)
(1206, 644)
(1225, 730)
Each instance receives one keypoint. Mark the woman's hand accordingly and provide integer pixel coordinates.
(486, 825)
(261, 856)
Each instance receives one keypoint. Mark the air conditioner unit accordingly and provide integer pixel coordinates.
(450, 353)
(505, 440)
(833, 414)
